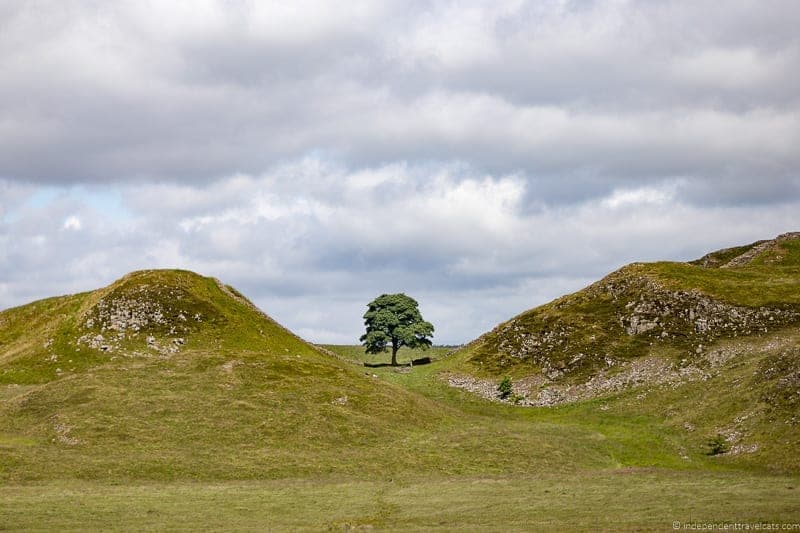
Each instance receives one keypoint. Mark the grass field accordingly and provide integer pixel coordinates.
(482, 467)
(603, 500)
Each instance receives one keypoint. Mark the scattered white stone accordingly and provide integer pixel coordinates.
(743, 448)
(62, 434)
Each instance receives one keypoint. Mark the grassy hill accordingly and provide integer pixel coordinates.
(712, 346)
(170, 375)
(671, 307)
(168, 401)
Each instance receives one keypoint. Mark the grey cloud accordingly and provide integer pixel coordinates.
(611, 94)
(468, 250)
(482, 157)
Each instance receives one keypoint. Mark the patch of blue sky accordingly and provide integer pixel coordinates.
(103, 200)
(40, 198)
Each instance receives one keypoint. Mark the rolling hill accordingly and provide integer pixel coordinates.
(712, 346)
(168, 401)
(681, 308)
(170, 375)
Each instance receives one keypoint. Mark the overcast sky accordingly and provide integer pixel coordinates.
(482, 157)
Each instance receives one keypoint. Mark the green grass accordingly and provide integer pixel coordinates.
(752, 287)
(771, 278)
(741, 397)
(247, 427)
(627, 499)
(645, 427)
(355, 353)
(721, 257)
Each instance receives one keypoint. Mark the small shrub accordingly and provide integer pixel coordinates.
(717, 445)
(505, 388)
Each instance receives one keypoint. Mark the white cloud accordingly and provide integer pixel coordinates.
(482, 156)
(72, 223)
(734, 68)
(638, 197)
(131, 91)
(314, 251)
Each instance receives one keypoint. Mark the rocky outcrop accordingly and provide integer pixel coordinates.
(660, 313)
(162, 316)
(741, 256)
(617, 319)
(758, 249)
(780, 371)
(642, 372)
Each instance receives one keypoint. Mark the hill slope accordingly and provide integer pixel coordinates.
(167, 374)
(683, 307)
(722, 330)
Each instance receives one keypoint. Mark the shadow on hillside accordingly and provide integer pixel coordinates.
(415, 362)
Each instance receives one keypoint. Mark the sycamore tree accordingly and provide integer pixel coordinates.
(394, 320)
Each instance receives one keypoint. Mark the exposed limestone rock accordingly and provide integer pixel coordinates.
(121, 317)
(664, 313)
(646, 312)
(62, 432)
(648, 372)
(758, 249)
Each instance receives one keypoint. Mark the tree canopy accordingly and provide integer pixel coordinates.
(394, 320)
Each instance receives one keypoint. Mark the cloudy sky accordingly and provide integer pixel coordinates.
(483, 157)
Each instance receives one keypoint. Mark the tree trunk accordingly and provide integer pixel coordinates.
(394, 353)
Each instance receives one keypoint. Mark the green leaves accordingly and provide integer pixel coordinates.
(394, 319)
(505, 388)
